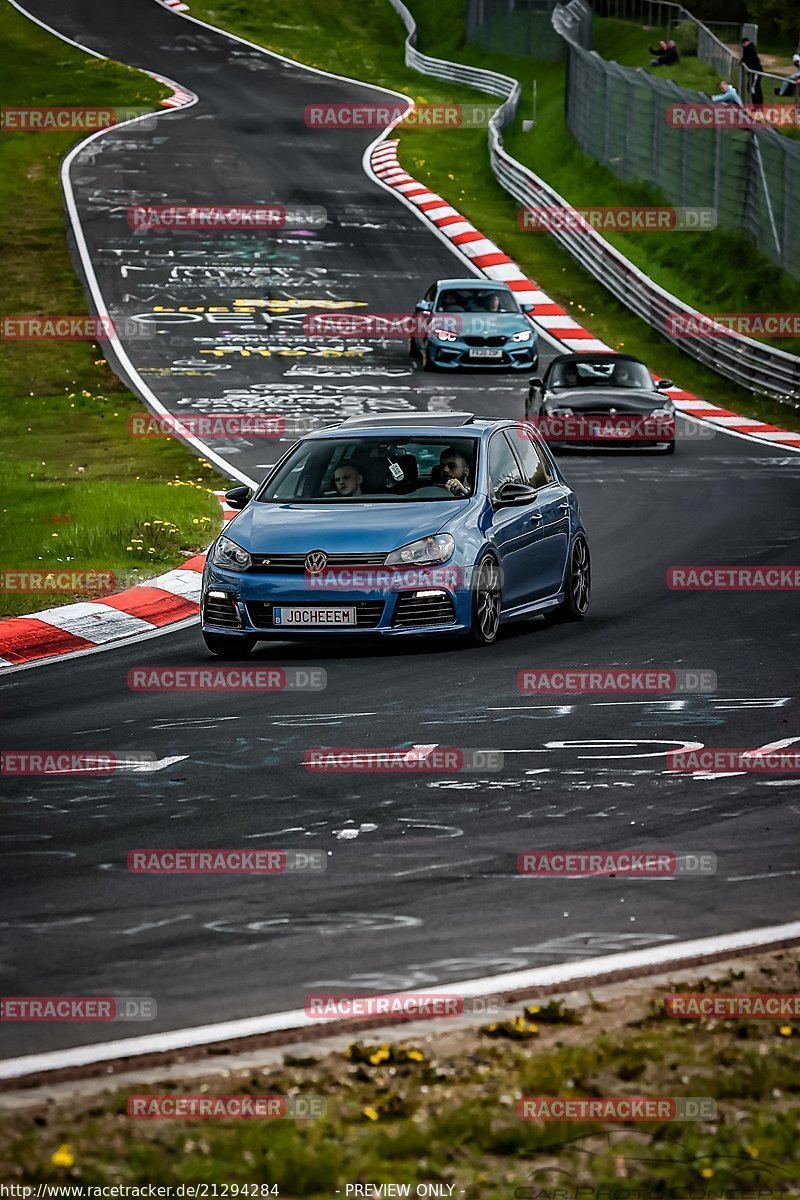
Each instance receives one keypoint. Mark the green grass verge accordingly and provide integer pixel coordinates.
(75, 490)
(366, 42)
(443, 1109)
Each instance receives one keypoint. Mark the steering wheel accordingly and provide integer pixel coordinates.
(432, 490)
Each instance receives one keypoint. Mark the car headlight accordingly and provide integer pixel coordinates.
(437, 548)
(444, 335)
(668, 410)
(524, 335)
(227, 553)
(555, 411)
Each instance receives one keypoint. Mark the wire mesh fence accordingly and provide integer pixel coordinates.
(522, 28)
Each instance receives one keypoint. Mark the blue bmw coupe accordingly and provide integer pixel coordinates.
(474, 323)
(433, 523)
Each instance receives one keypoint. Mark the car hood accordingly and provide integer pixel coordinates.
(339, 528)
(630, 400)
(484, 324)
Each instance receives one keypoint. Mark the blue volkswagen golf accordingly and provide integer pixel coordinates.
(398, 526)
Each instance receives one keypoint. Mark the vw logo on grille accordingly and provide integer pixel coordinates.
(315, 561)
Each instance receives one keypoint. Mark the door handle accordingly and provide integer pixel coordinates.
(564, 506)
(535, 517)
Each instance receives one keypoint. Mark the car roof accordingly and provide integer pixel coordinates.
(403, 432)
(495, 284)
(585, 355)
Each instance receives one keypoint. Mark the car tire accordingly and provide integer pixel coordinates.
(413, 352)
(427, 362)
(578, 586)
(223, 646)
(487, 603)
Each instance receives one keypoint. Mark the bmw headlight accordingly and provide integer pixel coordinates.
(435, 549)
(524, 335)
(444, 335)
(227, 553)
(554, 410)
(667, 410)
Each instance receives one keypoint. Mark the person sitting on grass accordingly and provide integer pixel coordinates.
(789, 86)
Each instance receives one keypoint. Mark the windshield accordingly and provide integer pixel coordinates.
(352, 470)
(605, 371)
(476, 300)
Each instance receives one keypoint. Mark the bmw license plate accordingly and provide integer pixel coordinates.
(308, 617)
(611, 429)
(485, 352)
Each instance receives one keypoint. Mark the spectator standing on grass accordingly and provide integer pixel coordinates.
(751, 60)
(727, 95)
(789, 86)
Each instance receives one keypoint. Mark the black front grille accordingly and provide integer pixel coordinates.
(413, 609)
(498, 340)
(295, 564)
(219, 611)
(368, 614)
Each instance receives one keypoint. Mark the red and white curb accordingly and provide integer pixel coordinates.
(554, 320)
(174, 5)
(144, 608)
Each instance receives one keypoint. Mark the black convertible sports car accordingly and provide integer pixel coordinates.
(602, 401)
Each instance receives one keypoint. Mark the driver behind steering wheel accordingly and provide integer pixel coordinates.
(454, 469)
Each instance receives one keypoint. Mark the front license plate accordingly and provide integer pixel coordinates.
(307, 616)
(485, 352)
(611, 430)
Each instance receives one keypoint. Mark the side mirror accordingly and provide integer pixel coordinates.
(422, 306)
(515, 493)
(663, 384)
(239, 497)
(528, 307)
(536, 382)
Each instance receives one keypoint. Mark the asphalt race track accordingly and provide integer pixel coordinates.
(421, 885)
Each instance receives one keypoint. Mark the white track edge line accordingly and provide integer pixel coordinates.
(556, 976)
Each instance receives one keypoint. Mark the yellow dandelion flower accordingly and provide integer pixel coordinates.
(371, 1113)
(706, 1172)
(752, 1151)
(63, 1157)
(785, 1031)
(416, 1056)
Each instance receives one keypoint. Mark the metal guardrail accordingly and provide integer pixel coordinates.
(751, 364)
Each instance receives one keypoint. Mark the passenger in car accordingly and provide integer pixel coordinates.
(347, 479)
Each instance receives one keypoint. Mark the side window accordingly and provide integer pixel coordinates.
(431, 292)
(503, 466)
(535, 469)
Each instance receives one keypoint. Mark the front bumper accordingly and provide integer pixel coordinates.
(454, 355)
(242, 604)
